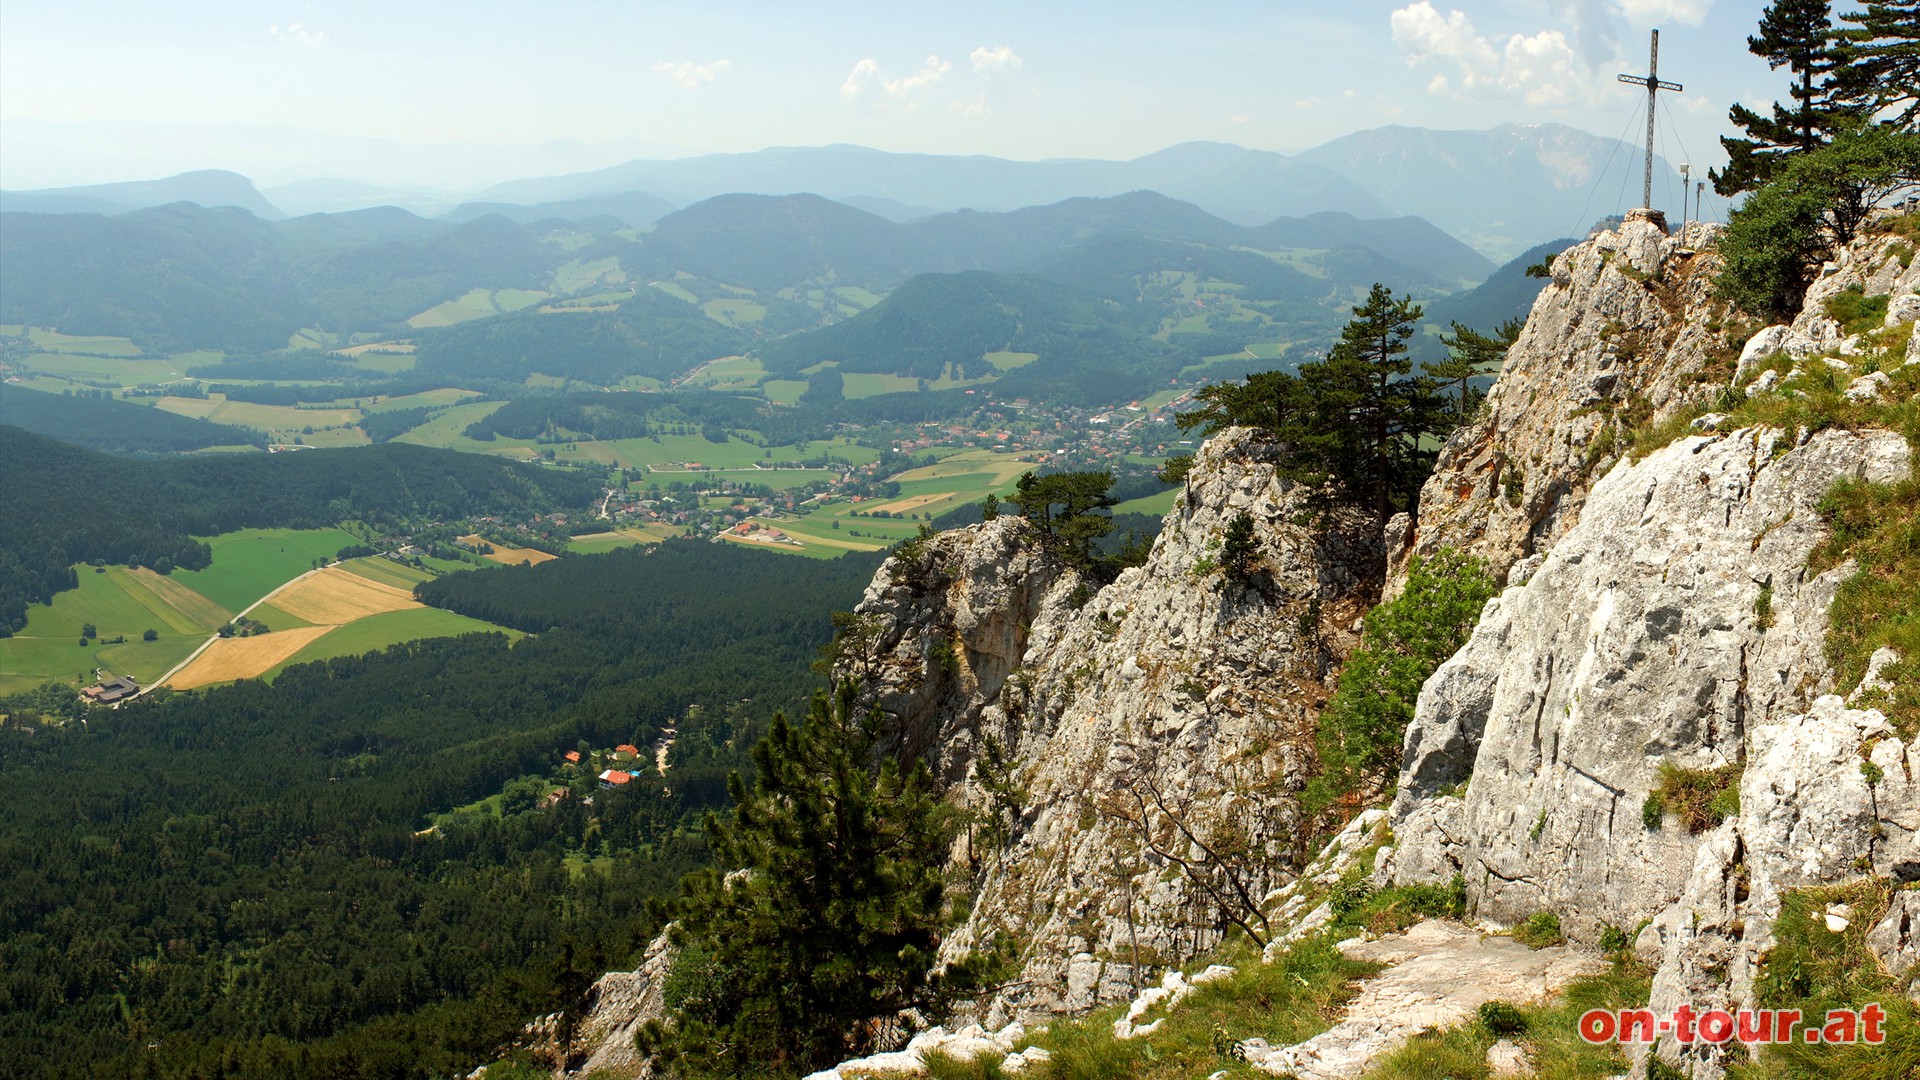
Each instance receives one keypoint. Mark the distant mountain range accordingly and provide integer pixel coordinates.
(182, 276)
(1241, 185)
(768, 242)
(1501, 190)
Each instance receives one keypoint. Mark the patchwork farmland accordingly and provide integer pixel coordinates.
(267, 575)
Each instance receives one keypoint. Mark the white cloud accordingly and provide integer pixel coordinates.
(298, 34)
(1541, 69)
(1426, 35)
(689, 75)
(997, 60)
(1551, 67)
(1236, 121)
(1657, 12)
(867, 77)
(977, 107)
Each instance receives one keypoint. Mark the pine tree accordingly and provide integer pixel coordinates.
(1063, 505)
(1367, 381)
(1880, 58)
(829, 915)
(1797, 35)
(1472, 355)
(1354, 423)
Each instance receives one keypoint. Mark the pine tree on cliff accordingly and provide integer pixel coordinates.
(1359, 421)
(1372, 412)
(1797, 35)
(1472, 355)
(1880, 58)
(1065, 507)
(830, 917)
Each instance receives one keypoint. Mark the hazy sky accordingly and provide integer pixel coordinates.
(1032, 79)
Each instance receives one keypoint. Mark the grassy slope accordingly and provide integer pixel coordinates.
(249, 564)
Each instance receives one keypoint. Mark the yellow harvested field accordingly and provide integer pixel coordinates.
(244, 657)
(913, 502)
(184, 600)
(512, 556)
(334, 596)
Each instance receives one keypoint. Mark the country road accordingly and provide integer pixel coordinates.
(177, 668)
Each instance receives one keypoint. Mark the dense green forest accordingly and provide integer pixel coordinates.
(236, 882)
(63, 505)
(95, 420)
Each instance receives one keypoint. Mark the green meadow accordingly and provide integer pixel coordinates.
(117, 602)
(249, 564)
(377, 632)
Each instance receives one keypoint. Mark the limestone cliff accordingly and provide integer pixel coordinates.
(1156, 729)
(1625, 331)
(1661, 615)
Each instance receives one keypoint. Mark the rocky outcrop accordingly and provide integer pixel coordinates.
(1625, 331)
(942, 627)
(1665, 618)
(1674, 620)
(1156, 729)
(1828, 796)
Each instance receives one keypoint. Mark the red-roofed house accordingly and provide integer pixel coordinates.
(613, 778)
(573, 757)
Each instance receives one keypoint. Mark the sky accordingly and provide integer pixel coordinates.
(115, 90)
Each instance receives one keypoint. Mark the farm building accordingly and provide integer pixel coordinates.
(108, 691)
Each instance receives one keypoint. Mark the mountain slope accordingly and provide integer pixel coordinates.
(181, 277)
(632, 208)
(1246, 185)
(770, 242)
(209, 187)
(944, 324)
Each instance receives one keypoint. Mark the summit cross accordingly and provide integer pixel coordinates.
(1654, 86)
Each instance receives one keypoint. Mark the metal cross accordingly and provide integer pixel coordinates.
(1654, 86)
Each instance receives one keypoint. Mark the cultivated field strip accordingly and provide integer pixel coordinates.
(244, 657)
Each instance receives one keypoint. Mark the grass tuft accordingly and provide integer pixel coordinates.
(1814, 969)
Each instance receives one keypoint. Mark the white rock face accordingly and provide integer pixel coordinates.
(617, 1006)
(1170, 675)
(1639, 641)
(1628, 316)
(1629, 324)
(967, 1044)
(1808, 817)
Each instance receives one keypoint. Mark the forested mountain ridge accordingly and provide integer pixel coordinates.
(205, 187)
(179, 277)
(769, 241)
